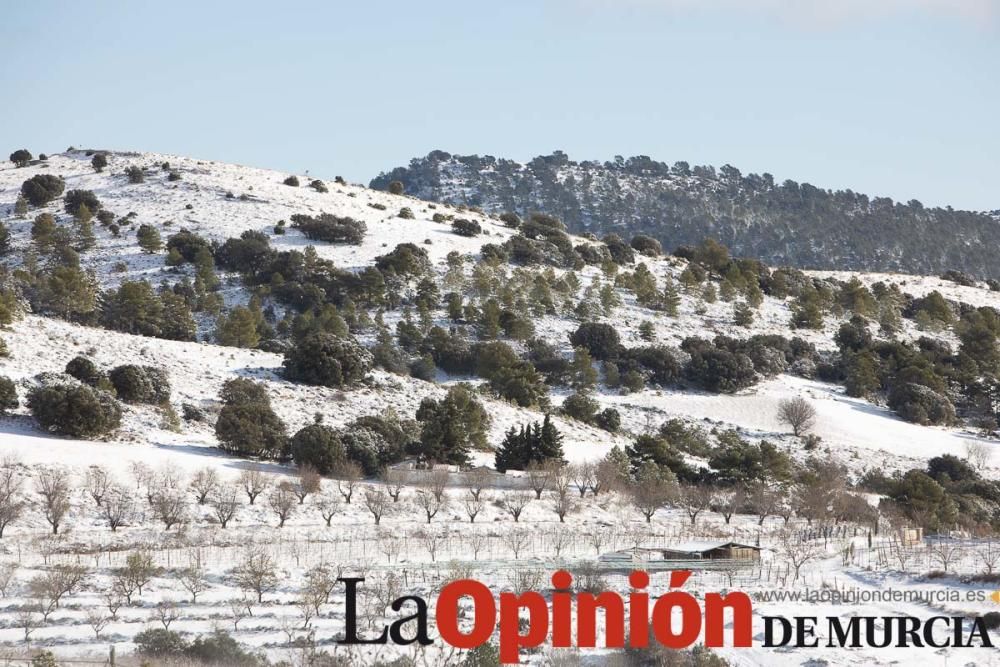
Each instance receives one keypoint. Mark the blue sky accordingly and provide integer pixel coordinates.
(890, 97)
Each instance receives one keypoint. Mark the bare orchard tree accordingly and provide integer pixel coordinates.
(430, 502)
(97, 620)
(695, 499)
(560, 539)
(395, 481)
(170, 506)
(377, 501)
(989, 555)
(978, 454)
(564, 504)
(52, 484)
(516, 540)
(390, 544)
(478, 480)
(12, 503)
(254, 482)
(328, 503)
(584, 476)
(477, 541)
(763, 499)
(539, 477)
(256, 573)
(118, 507)
(473, 505)
(113, 601)
(282, 502)
(944, 552)
(432, 541)
(650, 493)
(141, 474)
(26, 618)
(438, 482)
(797, 551)
(348, 477)
(514, 503)
(797, 413)
(194, 579)
(225, 502)
(204, 483)
(307, 482)
(730, 501)
(165, 612)
(98, 482)
(7, 572)
(139, 570)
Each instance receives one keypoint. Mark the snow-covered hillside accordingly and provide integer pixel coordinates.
(221, 201)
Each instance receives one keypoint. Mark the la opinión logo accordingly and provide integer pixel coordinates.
(634, 617)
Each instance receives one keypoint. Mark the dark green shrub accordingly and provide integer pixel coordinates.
(187, 244)
(318, 446)
(159, 643)
(580, 407)
(464, 227)
(41, 189)
(608, 419)
(330, 228)
(396, 187)
(406, 213)
(511, 220)
(921, 405)
(646, 245)
(74, 410)
(85, 370)
(149, 238)
(135, 175)
(319, 186)
(324, 359)
(600, 339)
(251, 429)
(76, 198)
(140, 384)
(8, 395)
(21, 157)
(292, 181)
(99, 162)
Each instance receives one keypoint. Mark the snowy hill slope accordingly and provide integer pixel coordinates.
(410, 550)
(200, 202)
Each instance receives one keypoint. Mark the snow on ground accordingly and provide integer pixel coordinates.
(860, 433)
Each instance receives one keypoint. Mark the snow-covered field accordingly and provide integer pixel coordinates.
(405, 553)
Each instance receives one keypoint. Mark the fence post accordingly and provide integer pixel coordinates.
(111, 656)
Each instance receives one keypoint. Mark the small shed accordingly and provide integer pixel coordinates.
(711, 551)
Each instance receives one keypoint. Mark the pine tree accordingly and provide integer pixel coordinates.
(709, 294)
(755, 297)
(582, 369)
(510, 454)
(742, 314)
(727, 292)
(21, 207)
(550, 443)
(149, 239)
(862, 375)
(42, 230)
(238, 328)
(646, 331)
(671, 299)
(83, 229)
(5, 245)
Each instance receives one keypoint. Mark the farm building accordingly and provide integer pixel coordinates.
(686, 551)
